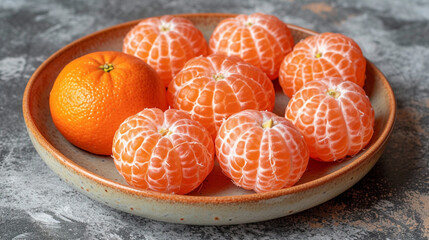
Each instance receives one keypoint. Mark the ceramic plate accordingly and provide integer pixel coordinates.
(217, 201)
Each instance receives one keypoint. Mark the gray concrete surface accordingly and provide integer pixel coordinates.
(391, 202)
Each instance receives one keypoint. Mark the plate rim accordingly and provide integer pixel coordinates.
(71, 165)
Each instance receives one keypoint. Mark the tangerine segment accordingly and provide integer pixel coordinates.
(215, 87)
(259, 39)
(320, 56)
(163, 151)
(335, 117)
(165, 43)
(261, 151)
(95, 93)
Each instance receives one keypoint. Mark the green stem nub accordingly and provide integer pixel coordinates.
(268, 124)
(164, 29)
(107, 67)
(218, 77)
(165, 131)
(333, 93)
(318, 55)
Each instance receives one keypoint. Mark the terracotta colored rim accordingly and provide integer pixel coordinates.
(68, 163)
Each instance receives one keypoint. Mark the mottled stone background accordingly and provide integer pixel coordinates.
(392, 201)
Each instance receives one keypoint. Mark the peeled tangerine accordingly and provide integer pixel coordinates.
(165, 43)
(320, 56)
(261, 151)
(163, 151)
(215, 87)
(335, 117)
(259, 39)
